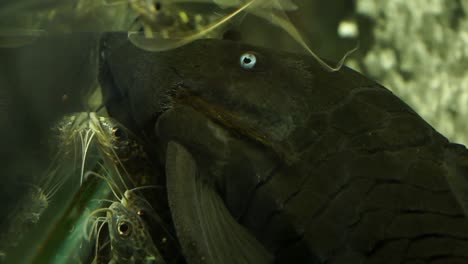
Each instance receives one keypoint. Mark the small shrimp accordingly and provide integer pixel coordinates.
(151, 8)
(38, 196)
(29, 210)
(125, 163)
(115, 140)
(71, 129)
(273, 11)
(184, 27)
(123, 151)
(71, 132)
(130, 239)
(129, 218)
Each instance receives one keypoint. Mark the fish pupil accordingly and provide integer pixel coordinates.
(118, 132)
(123, 229)
(248, 60)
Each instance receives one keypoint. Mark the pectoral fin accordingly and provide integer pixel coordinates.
(206, 230)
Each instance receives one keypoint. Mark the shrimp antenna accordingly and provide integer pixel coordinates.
(147, 187)
(50, 191)
(94, 226)
(103, 200)
(112, 180)
(120, 164)
(153, 44)
(97, 211)
(51, 184)
(97, 238)
(111, 185)
(97, 127)
(47, 178)
(104, 245)
(285, 23)
(85, 143)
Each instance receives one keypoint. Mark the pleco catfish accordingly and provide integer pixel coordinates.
(270, 158)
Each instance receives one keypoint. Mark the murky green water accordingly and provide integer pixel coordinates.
(49, 68)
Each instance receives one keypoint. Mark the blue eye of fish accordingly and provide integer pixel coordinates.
(248, 60)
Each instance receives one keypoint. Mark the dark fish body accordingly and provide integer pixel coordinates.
(286, 162)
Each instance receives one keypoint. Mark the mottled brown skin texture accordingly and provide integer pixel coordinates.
(135, 244)
(319, 167)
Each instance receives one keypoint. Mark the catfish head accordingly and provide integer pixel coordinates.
(272, 98)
